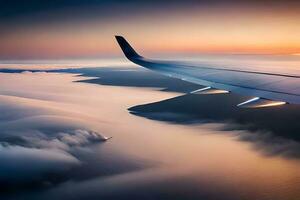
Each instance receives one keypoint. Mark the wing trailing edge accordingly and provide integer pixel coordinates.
(209, 90)
(260, 103)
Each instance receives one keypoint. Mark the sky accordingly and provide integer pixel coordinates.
(64, 29)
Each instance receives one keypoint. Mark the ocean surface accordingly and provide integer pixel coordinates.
(165, 143)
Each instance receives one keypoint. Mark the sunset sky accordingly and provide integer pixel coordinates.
(85, 29)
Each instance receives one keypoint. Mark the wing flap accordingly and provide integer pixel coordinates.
(260, 103)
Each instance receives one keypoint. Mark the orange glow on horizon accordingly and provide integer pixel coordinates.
(216, 30)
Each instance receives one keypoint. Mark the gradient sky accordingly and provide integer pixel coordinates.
(36, 29)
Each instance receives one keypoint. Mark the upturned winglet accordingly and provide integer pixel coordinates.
(129, 52)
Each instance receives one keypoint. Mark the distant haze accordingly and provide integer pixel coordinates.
(86, 29)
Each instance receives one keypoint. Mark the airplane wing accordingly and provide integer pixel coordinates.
(269, 89)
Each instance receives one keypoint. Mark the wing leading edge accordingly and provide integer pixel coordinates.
(270, 88)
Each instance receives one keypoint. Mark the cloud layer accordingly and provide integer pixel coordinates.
(36, 141)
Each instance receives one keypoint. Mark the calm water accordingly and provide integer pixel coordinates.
(51, 147)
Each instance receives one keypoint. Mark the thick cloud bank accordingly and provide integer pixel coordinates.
(30, 155)
(38, 143)
(23, 164)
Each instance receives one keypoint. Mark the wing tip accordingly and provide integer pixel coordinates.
(127, 49)
(119, 37)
